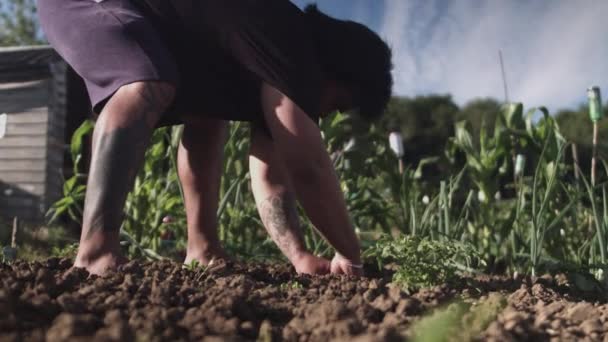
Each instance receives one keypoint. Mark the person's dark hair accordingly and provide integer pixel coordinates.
(355, 56)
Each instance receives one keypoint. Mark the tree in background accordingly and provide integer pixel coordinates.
(426, 123)
(480, 113)
(576, 127)
(18, 24)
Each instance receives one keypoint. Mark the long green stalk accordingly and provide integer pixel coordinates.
(600, 224)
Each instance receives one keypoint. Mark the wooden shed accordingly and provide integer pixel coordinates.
(35, 86)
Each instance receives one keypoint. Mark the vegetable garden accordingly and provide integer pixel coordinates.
(510, 244)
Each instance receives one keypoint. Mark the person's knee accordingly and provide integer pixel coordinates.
(155, 95)
(145, 100)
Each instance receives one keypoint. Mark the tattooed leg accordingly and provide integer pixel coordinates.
(199, 164)
(120, 138)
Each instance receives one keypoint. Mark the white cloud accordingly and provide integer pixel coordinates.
(361, 9)
(553, 49)
(395, 28)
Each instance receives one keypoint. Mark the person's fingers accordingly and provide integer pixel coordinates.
(313, 265)
(348, 270)
(342, 266)
(337, 267)
(334, 267)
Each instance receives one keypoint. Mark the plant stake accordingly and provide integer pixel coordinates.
(3, 120)
(520, 164)
(14, 235)
(595, 113)
(576, 163)
(9, 253)
(396, 143)
(518, 172)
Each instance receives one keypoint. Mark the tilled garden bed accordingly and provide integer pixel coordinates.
(163, 301)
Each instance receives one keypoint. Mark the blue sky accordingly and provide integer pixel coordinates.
(553, 49)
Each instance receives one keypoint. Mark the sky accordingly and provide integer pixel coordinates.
(553, 50)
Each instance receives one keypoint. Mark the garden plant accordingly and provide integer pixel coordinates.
(513, 230)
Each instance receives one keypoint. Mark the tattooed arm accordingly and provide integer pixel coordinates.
(299, 143)
(277, 205)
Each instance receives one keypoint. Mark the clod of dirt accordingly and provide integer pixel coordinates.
(591, 326)
(581, 312)
(67, 326)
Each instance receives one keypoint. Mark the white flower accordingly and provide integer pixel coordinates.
(426, 199)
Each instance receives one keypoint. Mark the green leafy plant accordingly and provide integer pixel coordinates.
(526, 221)
(71, 205)
(486, 159)
(193, 266)
(459, 321)
(543, 218)
(157, 193)
(68, 251)
(196, 267)
(422, 262)
(240, 227)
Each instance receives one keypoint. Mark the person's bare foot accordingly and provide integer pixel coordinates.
(100, 264)
(207, 256)
(307, 263)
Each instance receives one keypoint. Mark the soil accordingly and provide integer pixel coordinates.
(268, 302)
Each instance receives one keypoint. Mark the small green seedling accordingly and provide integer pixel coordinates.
(291, 285)
(196, 267)
(193, 266)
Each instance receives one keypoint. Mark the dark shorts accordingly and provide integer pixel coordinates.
(217, 70)
(109, 44)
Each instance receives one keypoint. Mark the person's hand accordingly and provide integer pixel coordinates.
(308, 263)
(342, 265)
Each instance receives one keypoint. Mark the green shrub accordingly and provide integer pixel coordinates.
(422, 262)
